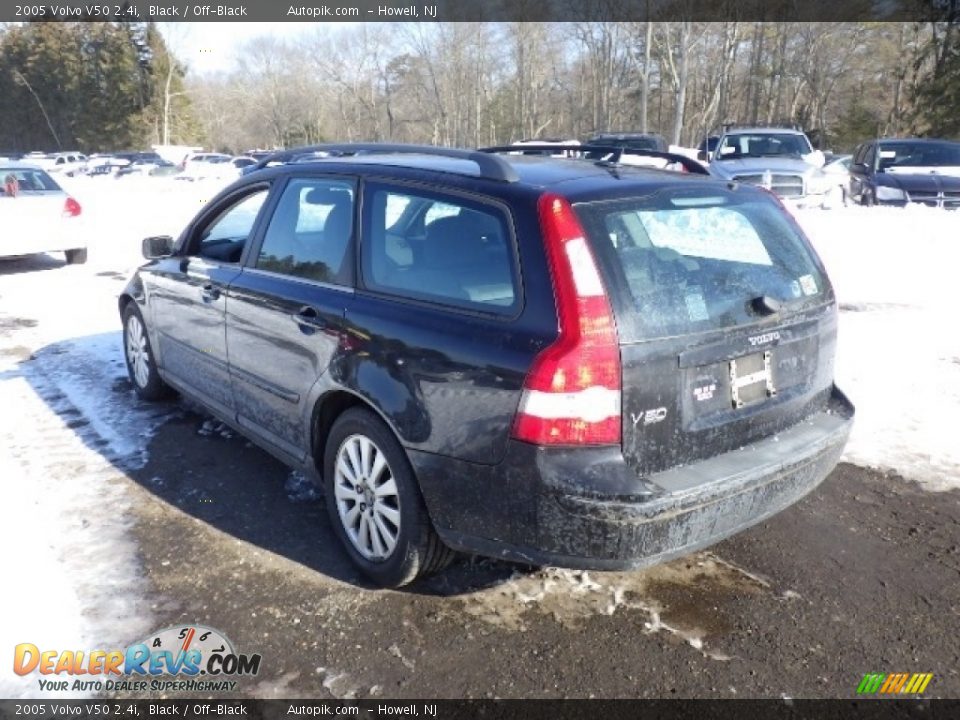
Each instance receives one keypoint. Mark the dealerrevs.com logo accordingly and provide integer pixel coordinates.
(186, 658)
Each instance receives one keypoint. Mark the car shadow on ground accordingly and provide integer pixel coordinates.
(31, 263)
(201, 468)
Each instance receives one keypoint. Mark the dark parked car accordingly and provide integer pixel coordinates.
(707, 147)
(526, 357)
(635, 141)
(148, 164)
(897, 172)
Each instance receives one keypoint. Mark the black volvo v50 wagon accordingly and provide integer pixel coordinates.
(549, 360)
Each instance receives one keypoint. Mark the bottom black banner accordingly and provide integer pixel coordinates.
(486, 709)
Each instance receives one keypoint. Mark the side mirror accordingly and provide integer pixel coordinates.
(157, 246)
(703, 156)
(859, 168)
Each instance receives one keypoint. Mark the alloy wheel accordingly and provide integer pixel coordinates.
(367, 499)
(138, 355)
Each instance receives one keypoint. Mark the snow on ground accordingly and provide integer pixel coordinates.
(895, 272)
(120, 212)
(70, 428)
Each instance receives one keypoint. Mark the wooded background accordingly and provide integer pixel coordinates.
(116, 86)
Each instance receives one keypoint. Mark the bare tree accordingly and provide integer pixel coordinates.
(479, 83)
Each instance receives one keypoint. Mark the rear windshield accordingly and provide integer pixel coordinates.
(682, 262)
(636, 143)
(28, 180)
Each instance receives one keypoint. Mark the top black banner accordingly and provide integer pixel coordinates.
(310, 11)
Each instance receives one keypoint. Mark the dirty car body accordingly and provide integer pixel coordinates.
(582, 364)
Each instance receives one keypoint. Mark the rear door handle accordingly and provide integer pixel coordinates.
(210, 293)
(309, 320)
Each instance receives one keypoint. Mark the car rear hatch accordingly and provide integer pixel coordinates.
(725, 317)
(33, 221)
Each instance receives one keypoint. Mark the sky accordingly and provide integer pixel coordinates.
(211, 47)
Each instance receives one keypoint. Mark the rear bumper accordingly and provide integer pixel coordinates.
(586, 509)
(807, 201)
(19, 247)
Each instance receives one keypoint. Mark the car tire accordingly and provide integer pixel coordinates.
(374, 503)
(77, 256)
(868, 199)
(139, 357)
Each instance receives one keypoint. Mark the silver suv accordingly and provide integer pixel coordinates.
(780, 159)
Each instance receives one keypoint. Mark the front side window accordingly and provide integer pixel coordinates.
(226, 236)
(439, 249)
(309, 233)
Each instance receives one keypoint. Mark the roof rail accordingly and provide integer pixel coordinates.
(614, 153)
(491, 167)
(771, 125)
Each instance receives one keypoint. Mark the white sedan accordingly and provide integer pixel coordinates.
(37, 216)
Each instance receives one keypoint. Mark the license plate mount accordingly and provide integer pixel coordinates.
(751, 379)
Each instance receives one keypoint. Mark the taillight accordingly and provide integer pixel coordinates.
(571, 395)
(71, 208)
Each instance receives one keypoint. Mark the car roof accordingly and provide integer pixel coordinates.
(610, 133)
(922, 141)
(20, 165)
(763, 131)
(537, 172)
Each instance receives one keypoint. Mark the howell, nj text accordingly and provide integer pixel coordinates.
(411, 11)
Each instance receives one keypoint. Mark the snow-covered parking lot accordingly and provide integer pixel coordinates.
(72, 431)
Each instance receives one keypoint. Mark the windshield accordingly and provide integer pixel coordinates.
(736, 147)
(686, 262)
(919, 154)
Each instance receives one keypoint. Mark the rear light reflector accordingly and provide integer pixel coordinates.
(572, 392)
(71, 208)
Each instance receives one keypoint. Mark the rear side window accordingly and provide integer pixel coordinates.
(310, 231)
(439, 249)
(684, 263)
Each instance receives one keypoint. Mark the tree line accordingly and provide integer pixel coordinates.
(106, 86)
(90, 86)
